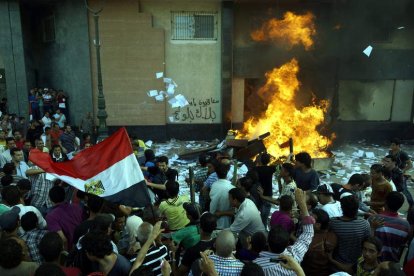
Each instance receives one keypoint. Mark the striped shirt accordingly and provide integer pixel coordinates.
(154, 258)
(394, 235)
(350, 235)
(227, 266)
(297, 251)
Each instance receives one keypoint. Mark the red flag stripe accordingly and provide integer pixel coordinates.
(88, 162)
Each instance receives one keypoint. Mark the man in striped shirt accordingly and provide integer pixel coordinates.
(155, 255)
(395, 230)
(278, 241)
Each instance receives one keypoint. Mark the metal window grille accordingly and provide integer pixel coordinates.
(49, 29)
(194, 25)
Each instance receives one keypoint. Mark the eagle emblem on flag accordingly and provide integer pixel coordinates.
(94, 187)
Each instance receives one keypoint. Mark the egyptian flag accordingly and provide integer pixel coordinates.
(108, 169)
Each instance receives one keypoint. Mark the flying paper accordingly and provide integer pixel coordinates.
(152, 93)
(159, 75)
(368, 51)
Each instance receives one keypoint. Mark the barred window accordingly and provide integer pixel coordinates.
(194, 25)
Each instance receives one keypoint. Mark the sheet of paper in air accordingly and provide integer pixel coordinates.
(370, 155)
(401, 27)
(171, 89)
(148, 143)
(167, 80)
(171, 119)
(368, 51)
(159, 75)
(182, 101)
(152, 93)
(159, 98)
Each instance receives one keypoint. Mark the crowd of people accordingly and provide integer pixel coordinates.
(49, 228)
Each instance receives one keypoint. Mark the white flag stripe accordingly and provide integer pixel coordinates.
(116, 178)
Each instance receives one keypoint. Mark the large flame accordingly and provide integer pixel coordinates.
(283, 120)
(292, 29)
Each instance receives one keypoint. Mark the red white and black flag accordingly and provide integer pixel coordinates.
(108, 169)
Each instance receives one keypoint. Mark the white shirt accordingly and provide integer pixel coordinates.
(5, 157)
(40, 220)
(333, 209)
(46, 121)
(61, 119)
(219, 195)
(247, 219)
(21, 169)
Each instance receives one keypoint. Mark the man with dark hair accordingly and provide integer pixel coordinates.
(219, 195)
(162, 173)
(94, 205)
(172, 208)
(98, 249)
(6, 157)
(283, 217)
(401, 157)
(395, 231)
(350, 230)
(278, 241)
(265, 174)
(68, 140)
(208, 223)
(32, 235)
(380, 188)
(18, 161)
(50, 248)
(354, 184)
(11, 259)
(189, 235)
(247, 220)
(305, 177)
(64, 217)
(57, 154)
(396, 175)
(316, 261)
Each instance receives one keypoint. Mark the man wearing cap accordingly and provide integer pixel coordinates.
(329, 204)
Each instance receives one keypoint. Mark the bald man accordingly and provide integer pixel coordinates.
(224, 261)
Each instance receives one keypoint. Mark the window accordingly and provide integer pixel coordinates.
(194, 25)
(49, 29)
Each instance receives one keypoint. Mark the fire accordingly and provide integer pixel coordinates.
(283, 120)
(292, 29)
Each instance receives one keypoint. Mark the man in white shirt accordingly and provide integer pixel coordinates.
(329, 204)
(219, 195)
(60, 118)
(247, 219)
(17, 159)
(46, 120)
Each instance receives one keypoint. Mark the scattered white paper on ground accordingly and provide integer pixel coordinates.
(174, 157)
(370, 155)
(159, 75)
(152, 93)
(400, 28)
(148, 143)
(159, 98)
(171, 119)
(368, 51)
(342, 172)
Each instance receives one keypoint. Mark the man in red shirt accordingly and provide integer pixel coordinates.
(55, 134)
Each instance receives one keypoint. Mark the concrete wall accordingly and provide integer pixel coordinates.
(12, 53)
(63, 63)
(132, 51)
(193, 65)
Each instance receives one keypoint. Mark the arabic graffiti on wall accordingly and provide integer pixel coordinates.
(198, 110)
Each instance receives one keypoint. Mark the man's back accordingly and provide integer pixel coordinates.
(350, 235)
(306, 180)
(393, 234)
(219, 196)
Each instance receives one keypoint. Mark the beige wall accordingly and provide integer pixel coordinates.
(132, 50)
(195, 66)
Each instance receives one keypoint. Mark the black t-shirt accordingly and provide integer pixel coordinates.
(306, 180)
(193, 253)
(339, 190)
(401, 158)
(81, 230)
(265, 174)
